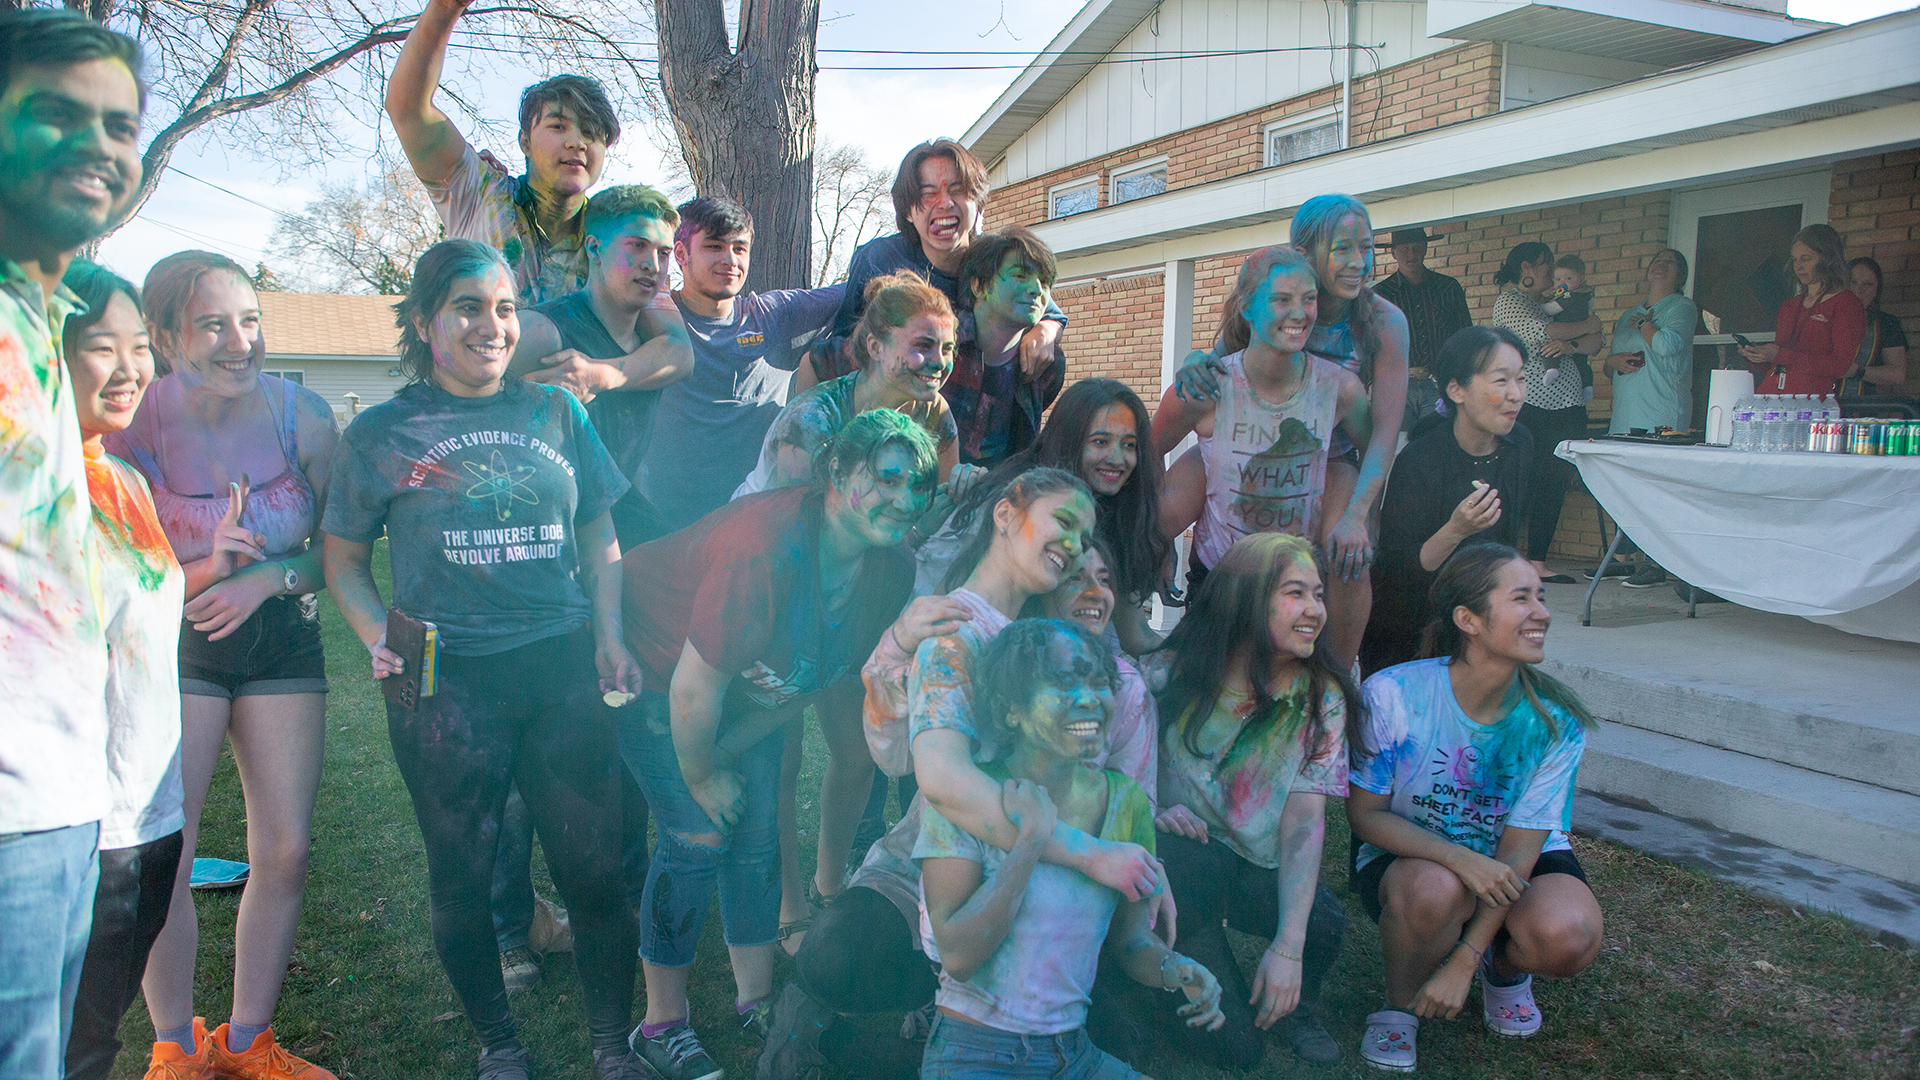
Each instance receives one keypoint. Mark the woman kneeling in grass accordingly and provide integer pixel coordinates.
(1018, 939)
(1462, 793)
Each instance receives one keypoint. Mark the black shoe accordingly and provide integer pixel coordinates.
(1614, 569)
(674, 1054)
(1309, 1039)
(1646, 577)
(792, 1048)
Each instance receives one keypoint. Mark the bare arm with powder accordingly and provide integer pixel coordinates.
(1303, 832)
(1349, 541)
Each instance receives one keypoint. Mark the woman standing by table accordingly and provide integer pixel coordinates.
(1556, 407)
(1881, 366)
(1818, 333)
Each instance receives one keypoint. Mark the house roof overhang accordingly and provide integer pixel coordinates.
(1754, 112)
(1663, 33)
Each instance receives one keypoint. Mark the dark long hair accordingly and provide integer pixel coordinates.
(1227, 617)
(1467, 580)
(1013, 667)
(1312, 233)
(1021, 491)
(433, 277)
(1530, 251)
(1879, 279)
(1128, 521)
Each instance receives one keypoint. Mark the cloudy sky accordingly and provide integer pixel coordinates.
(883, 112)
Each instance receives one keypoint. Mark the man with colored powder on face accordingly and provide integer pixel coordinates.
(745, 348)
(537, 220)
(1009, 278)
(70, 108)
(619, 350)
(939, 197)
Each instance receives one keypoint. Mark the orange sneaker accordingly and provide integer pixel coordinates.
(264, 1060)
(169, 1062)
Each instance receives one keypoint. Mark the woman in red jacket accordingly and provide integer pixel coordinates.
(1818, 332)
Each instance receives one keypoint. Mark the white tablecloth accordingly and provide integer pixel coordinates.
(1832, 537)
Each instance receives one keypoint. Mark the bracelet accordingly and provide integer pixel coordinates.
(1478, 956)
(1171, 958)
(1284, 954)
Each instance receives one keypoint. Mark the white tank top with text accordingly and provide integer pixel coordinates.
(1266, 464)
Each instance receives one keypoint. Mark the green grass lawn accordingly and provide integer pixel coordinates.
(1697, 978)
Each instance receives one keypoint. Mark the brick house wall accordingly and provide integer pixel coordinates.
(1875, 205)
(1457, 84)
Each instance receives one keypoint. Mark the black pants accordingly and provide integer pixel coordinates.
(531, 716)
(129, 908)
(860, 957)
(1548, 477)
(1214, 885)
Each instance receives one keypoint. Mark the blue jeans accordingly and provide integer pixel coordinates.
(47, 882)
(683, 875)
(960, 1050)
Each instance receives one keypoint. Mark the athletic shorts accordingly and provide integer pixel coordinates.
(1366, 880)
(276, 651)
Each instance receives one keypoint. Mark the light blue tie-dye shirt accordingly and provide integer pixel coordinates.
(1461, 780)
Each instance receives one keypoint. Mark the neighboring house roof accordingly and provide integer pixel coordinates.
(1823, 96)
(1073, 52)
(324, 326)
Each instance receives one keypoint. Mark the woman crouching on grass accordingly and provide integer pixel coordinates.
(1462, 795)
(1019, 939)
(1254, 739)
(457, 469)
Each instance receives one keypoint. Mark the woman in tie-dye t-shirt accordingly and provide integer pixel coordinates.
(1462, 797)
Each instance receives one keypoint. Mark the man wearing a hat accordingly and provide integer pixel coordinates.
(1435, 306)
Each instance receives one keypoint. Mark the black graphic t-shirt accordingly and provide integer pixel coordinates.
(481, 499)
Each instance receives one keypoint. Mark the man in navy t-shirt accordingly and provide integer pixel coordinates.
(708, 429)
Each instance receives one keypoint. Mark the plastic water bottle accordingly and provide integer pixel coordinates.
(1803, 413)
(1773, 414)
(1742, 438)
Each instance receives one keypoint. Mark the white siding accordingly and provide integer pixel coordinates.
(1122, 104)
(331, 378)
(1531, 75)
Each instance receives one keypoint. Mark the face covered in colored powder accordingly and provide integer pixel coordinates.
(1086, 596)
(1067, 717)
(879, 502)
(69, 150)
(219, 348)
(1017, 296)
(1043, 543)
(630, 263)
(1515, 626)
(1491, 402)
(111, 368)
(473, 334)
(914, 360)
(1347, 262)
(1281, 312)
(1297, 610)
(1111, 451)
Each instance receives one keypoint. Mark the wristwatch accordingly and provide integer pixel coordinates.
(290, 580)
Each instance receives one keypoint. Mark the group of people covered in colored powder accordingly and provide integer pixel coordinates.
(652, 529)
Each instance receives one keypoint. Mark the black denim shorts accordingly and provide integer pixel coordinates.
(1365, 883)
(276, 651)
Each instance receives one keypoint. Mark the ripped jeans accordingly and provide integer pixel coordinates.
(683, 874)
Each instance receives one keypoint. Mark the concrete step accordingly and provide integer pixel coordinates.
(1863, 826)
(1850, 745)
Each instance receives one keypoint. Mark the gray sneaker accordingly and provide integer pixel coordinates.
(519, 969)
(1309, 1037)
(792, 1049)
(617, 1065)
(506, 1063)
(674, 1054)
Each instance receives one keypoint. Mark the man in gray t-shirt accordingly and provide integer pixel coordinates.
(708, 429)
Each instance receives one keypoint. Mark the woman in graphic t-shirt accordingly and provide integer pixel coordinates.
(1462, 798)
(1019, 939)
(1254, 715)
(494, 495)
(1817, 334)
(762, 608)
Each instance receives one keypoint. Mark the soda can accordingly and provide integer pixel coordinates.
(1904, 434)
(1895, 439)
(1860, 438)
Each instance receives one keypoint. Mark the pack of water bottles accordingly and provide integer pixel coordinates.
(1778, 423)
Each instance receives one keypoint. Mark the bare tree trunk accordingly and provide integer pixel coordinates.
(745, 119)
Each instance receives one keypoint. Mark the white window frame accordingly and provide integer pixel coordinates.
(1153, 164)
(284, 372)
(1810, 189)
(1091, 180)
(1298, 122)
